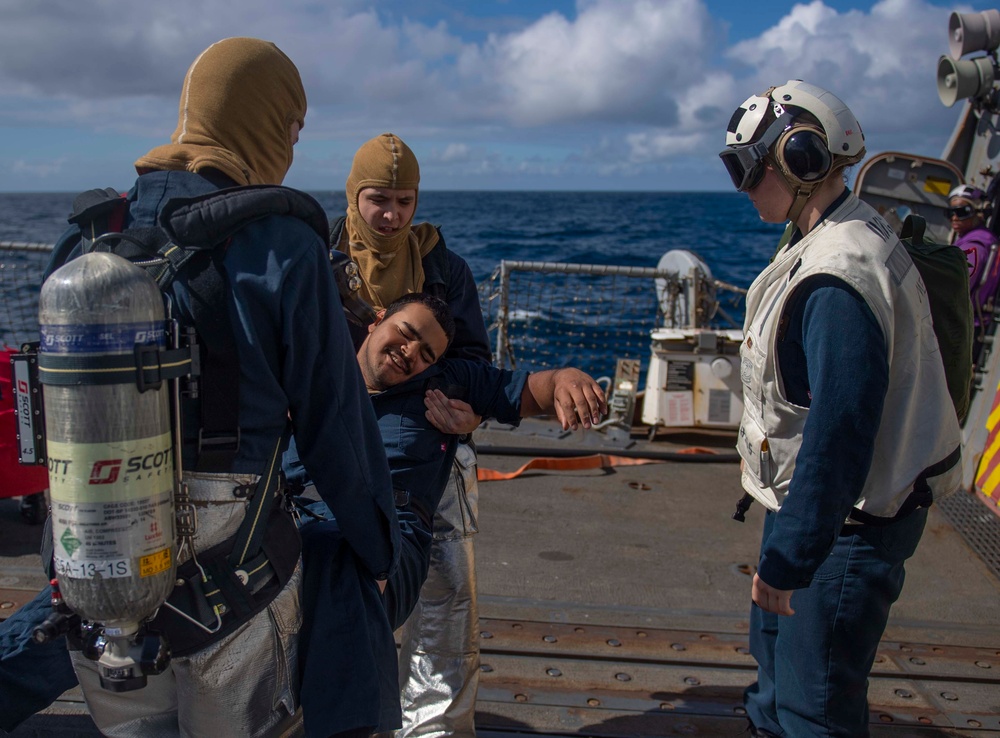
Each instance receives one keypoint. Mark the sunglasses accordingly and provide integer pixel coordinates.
(961, 212)
(745, 164)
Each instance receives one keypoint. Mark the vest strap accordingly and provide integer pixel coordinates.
(920, 496)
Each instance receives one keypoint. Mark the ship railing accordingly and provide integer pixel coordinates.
(22, 265)
(543, 315)
(546, 315)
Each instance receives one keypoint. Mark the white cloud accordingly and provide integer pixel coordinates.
(454, 152)
(620, 87)
(615, 62)
(881, 63)
(39, 169)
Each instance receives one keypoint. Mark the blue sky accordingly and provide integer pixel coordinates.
(490, 94)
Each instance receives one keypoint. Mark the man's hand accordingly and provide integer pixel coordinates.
(778, 601)
(577, 398)
(450, 416)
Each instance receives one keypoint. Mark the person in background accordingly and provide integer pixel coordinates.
(968, 209)
(845, 405)
(439, 658)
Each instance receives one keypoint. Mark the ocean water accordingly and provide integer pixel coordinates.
(627, 228)
(617, 228)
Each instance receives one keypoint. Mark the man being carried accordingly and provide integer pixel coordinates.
(409, 388)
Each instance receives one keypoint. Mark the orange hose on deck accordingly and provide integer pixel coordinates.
(577, 463)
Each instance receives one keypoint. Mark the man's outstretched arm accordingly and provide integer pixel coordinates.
(572, 394)
(574, 397)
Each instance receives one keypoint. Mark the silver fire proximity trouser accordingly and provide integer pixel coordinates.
(439, 658)
(245, 684)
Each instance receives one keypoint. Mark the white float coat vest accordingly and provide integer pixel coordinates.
(918, 427)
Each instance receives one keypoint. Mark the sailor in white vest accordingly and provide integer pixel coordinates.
(848, 431)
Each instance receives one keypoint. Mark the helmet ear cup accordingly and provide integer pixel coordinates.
(803, 154)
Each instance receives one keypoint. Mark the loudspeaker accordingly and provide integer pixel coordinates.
(968, 32)
(958, 80)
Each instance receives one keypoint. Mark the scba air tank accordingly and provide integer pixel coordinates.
(109, 445)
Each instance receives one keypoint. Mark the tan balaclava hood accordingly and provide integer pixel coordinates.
(239, 100)
(390, 265)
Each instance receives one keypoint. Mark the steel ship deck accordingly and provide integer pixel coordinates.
(614, 602)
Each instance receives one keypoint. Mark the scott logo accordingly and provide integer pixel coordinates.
(149, 336)
(105, 471)
(23, 401)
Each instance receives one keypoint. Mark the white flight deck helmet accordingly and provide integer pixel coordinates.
(805, 149)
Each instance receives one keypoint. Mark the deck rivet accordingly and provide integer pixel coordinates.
(641, 634)
(521, 697)
(880, 659)
(614, 642)
(6, 605)
(694, 681)
(740, 710)
(678, 646)
(974, 724)
(485, 667)
(485, 634)
(623, 677)
(950, 696)
(517, 626)
(983, 664)
(904, 693)
(550, 639)
(925, 720)
(553, 672)
(578, 630)
(594, 702)
(917, 660)
(742, 649)
(885, 718)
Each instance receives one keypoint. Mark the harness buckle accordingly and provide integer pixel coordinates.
(147, 358)
(218, 442)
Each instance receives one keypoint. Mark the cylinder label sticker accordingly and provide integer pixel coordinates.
(109, 472)
(116, 539)
(154, 563)
(111, 507)
(78, 338)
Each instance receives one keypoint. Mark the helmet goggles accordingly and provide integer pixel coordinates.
(745, 164)
(960, 211)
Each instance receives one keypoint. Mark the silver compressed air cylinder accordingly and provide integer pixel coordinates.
(109, 446)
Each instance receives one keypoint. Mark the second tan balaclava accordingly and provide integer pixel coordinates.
(390, 265)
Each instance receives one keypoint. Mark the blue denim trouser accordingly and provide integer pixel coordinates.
(32, 675)
(813, 666)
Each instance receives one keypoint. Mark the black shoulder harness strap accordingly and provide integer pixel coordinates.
(234, 580)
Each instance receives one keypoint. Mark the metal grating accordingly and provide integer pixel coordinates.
(978, 526)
